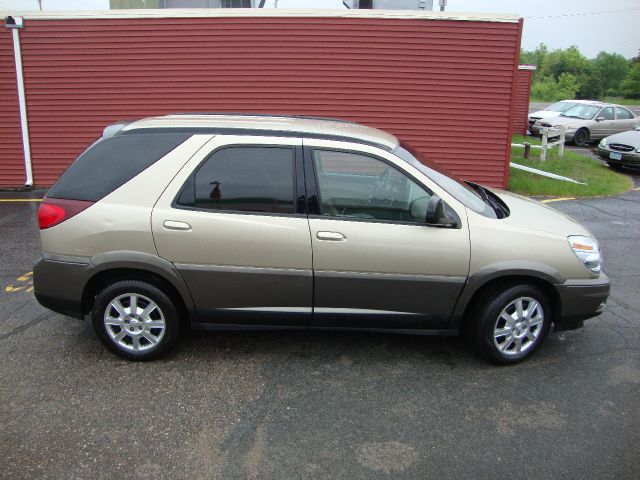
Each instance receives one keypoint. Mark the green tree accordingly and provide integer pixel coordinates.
(550, 90)
(562, 61)
(604, 76)
(631, 84)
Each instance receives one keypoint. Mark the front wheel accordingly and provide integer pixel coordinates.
(581, 137)
(135, 320)
(509, 323)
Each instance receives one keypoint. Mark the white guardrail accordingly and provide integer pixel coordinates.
(547, 133)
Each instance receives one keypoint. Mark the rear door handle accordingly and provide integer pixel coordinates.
(331, 236)
(174, 225)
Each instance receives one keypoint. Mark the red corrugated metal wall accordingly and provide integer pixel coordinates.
(521, 110)
(12, 173)
(444, 86)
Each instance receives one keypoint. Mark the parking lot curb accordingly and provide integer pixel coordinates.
(7, 200)
(558, 199)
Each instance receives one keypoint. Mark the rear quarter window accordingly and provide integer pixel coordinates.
(111, 162)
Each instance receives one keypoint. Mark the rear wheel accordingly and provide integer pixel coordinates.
(581, 137)
(135, 320)
(509, 323)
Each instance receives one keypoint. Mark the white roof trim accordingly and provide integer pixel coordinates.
(527, 67)
(261, 12)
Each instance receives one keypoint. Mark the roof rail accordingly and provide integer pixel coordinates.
(274, 115)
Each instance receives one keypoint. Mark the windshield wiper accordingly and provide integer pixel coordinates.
(487, 197)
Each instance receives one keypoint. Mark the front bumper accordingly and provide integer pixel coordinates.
(58, 283)
(580, 300)
(629, 159)
(537, 130)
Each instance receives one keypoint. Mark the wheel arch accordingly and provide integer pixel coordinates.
(476, 287)
(586, 129)
(117, 266)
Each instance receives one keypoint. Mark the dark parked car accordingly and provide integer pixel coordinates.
(621, 149)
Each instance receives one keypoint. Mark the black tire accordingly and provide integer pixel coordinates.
(136, 344)
(485, 319)
(581, 137)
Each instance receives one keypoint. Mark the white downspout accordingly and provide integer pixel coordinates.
(17, 55)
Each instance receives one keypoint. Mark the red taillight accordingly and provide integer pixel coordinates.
(53, 211)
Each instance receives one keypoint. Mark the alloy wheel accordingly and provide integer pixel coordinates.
(134, 322)
(518, 326)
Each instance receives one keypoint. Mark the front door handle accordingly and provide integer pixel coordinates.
(331, 236)
(175, 225)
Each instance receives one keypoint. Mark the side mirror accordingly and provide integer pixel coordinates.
(599, 119)
(440, 215)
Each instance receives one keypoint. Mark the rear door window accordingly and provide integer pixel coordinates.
(623, 114)
(243, 179)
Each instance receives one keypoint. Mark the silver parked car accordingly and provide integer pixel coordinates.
(621, 149)
(590, 121)
(553, 110)
(254, 222)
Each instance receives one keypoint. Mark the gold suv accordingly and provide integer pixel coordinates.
(258, 222)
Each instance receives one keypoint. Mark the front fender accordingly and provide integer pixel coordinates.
(495, 271)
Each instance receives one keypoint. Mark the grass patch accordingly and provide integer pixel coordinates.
(618, 100)
(622, 100)
(599, 178)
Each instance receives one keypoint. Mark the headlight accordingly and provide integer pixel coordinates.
(602, 144)
(587, 250)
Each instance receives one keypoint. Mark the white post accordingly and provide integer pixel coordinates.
(543, 151)
(561, 144)
(22, 103)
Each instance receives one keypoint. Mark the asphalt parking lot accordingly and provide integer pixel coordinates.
(320, 405)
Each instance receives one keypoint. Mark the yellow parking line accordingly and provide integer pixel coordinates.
(549, 200)
(20, 199)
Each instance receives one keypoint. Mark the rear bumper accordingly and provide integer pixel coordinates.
(58, 283)
(580, 300)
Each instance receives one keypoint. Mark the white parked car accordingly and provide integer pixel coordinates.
(554, 110)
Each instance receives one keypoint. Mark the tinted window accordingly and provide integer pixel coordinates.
(623, 114)
(245, 179)
(110, 163)
(607, 113)
(359, 186)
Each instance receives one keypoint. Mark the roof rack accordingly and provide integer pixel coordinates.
(274, 115)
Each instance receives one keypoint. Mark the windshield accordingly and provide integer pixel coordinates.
(560, 106)
(585, 112)
(457, 188)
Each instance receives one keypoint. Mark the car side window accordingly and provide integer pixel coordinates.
(623, 114)
(607, 113)
(358, 186)
(243, 179)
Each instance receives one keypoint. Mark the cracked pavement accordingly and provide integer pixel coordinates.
(288, 405)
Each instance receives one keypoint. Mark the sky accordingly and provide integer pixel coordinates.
(593, 25)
